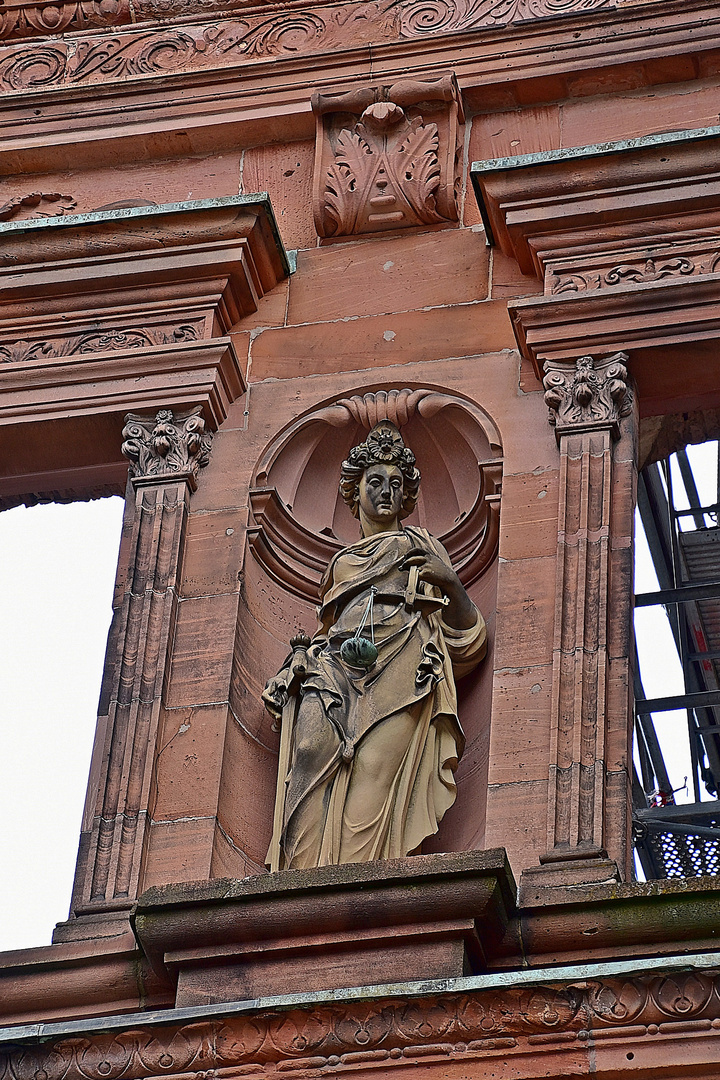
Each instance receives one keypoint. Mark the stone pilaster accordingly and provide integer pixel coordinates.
(591, 407)
(165, 453)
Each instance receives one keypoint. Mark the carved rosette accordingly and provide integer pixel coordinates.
(166, 446)
(593, 395)
(396, 166)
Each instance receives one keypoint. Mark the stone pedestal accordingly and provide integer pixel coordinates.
(424, 917)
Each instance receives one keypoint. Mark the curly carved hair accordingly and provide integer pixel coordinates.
(384, 445)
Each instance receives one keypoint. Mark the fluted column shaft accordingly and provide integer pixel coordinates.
(165, 454)
(591, 405)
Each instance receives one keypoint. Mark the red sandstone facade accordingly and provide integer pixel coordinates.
(257, 230)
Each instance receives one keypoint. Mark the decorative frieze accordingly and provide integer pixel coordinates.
(677, 260)
(37, 18)
(122, 53)
(425, 17)
(350, 1034)
(395, 166)
(261, 35)
(110, 339)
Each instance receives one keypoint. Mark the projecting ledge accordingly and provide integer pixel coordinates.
(120, 310)
(623, 236)
(539, 207)
(426, 917)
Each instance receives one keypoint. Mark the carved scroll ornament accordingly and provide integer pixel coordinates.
(166, 445)
(595, 394)
(425, 17)
(237, 41)
(109, 339)
(395, 166)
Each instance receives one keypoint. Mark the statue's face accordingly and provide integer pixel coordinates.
(381, 493)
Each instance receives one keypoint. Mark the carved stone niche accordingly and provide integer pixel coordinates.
(300, 520)
(386, 157)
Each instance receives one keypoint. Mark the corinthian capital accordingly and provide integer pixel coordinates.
(165, 445)
(589, 394)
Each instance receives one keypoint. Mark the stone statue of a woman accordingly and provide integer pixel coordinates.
(371, 737)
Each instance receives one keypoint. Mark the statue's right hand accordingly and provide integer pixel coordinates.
(276, 690)
(274, 697)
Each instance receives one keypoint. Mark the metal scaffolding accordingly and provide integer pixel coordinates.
(684, 541)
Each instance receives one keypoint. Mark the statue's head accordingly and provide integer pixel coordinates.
(383, 447)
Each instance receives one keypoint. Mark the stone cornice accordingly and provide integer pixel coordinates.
(599, 1014)
(665, 316)
(539, 208)
(192, 84)
(123, 310)
(626, 240)
(597, 932)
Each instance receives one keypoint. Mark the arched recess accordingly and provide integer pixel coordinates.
(297, 523)
(300, 520)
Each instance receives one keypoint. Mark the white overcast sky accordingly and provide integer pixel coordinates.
(57, 570)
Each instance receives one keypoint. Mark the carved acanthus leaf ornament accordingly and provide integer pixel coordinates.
(396, 166)
(589, 394)
(386, 173)
(166, 445)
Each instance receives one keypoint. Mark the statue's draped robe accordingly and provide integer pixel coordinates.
(397, 721)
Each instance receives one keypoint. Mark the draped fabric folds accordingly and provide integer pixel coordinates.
(374, 752)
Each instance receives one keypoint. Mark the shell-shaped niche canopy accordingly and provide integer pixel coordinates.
(301, 521)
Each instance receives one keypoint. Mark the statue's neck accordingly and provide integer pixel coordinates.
(376, 528)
